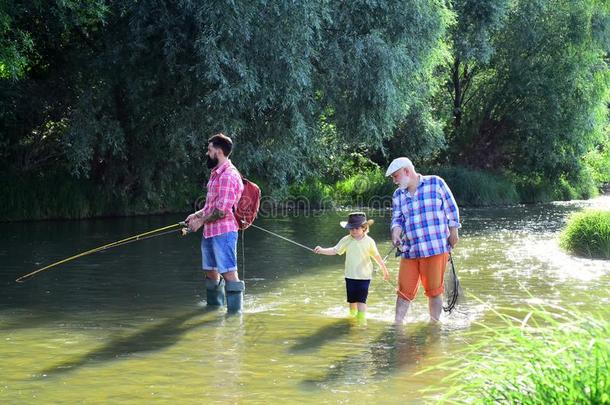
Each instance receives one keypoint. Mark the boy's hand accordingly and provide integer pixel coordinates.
(386, 275)
(317, 249)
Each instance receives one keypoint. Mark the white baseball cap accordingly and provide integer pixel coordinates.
(398, 163)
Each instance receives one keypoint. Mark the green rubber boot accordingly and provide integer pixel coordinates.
(361, 317)
(215, 292)
(235, 296)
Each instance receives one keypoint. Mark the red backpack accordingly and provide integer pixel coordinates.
(247, 207)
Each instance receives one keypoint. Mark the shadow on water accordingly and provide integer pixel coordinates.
(154, 338)
(326, 334)
(395, 350)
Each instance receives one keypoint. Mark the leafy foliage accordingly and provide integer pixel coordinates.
(543, 104)
(122, 96)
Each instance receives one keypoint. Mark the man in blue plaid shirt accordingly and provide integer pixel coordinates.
(425, 223)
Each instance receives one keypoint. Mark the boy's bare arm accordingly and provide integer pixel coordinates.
(382, 265)
(325, 251)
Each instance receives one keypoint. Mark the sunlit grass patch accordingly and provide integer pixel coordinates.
(588, 234)
(540, 355)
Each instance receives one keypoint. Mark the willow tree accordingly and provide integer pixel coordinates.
(42, 48)
(471, 44)
(126, 94)
(541, 103)
(28, 30)
(173, 73)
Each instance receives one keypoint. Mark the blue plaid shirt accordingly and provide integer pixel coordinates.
(425, 217)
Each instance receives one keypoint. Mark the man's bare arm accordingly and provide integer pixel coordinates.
(214, 216)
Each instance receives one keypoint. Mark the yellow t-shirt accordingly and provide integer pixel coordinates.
(358, 256)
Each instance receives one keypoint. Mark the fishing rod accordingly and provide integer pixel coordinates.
(385, 259)
(455, 293)
(142, 236)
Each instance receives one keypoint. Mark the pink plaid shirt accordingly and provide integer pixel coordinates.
(223, 192)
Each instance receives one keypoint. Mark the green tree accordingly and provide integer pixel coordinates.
(265, 72)
(470, 39)
(129, 104)
(542, 102)
(40, 46)
(29, 30)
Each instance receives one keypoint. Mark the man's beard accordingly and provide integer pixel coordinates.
(211, 162)
(404, 183)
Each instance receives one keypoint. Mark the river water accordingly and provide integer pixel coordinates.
(127, 325)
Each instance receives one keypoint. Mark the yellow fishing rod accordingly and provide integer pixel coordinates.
(146, 235)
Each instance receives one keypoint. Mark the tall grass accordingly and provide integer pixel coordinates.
(47, 196)
(371, 188)
(364, 189)
(588, 234)
(539, 189)
(542, 355)
(477, 188)
(59, 196)
(312, 194)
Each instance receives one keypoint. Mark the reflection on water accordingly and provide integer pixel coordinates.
(128, 324)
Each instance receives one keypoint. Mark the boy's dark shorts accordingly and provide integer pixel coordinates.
(357, 290)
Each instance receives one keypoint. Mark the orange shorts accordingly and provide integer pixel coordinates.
(431, 271)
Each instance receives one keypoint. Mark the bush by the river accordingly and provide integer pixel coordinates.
(536, 189)
(539, 356)
(478, 188)
(372, 189)
(56, 195)
(474, 188)
(588, 234)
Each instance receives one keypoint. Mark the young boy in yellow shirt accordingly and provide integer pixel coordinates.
(358, 248)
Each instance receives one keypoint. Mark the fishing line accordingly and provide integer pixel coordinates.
(388, 281)
(385, 258)
(243, 256)
(282, 237)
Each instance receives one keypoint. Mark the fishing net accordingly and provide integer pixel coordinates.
(453, 294)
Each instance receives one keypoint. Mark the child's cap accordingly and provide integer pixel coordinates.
(356, 220)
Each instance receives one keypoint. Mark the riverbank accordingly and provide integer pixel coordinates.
(58, 196)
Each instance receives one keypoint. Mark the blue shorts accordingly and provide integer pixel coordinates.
(357, 290)
(219, 252)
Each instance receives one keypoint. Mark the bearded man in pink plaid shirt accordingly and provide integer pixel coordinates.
(220, 228)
